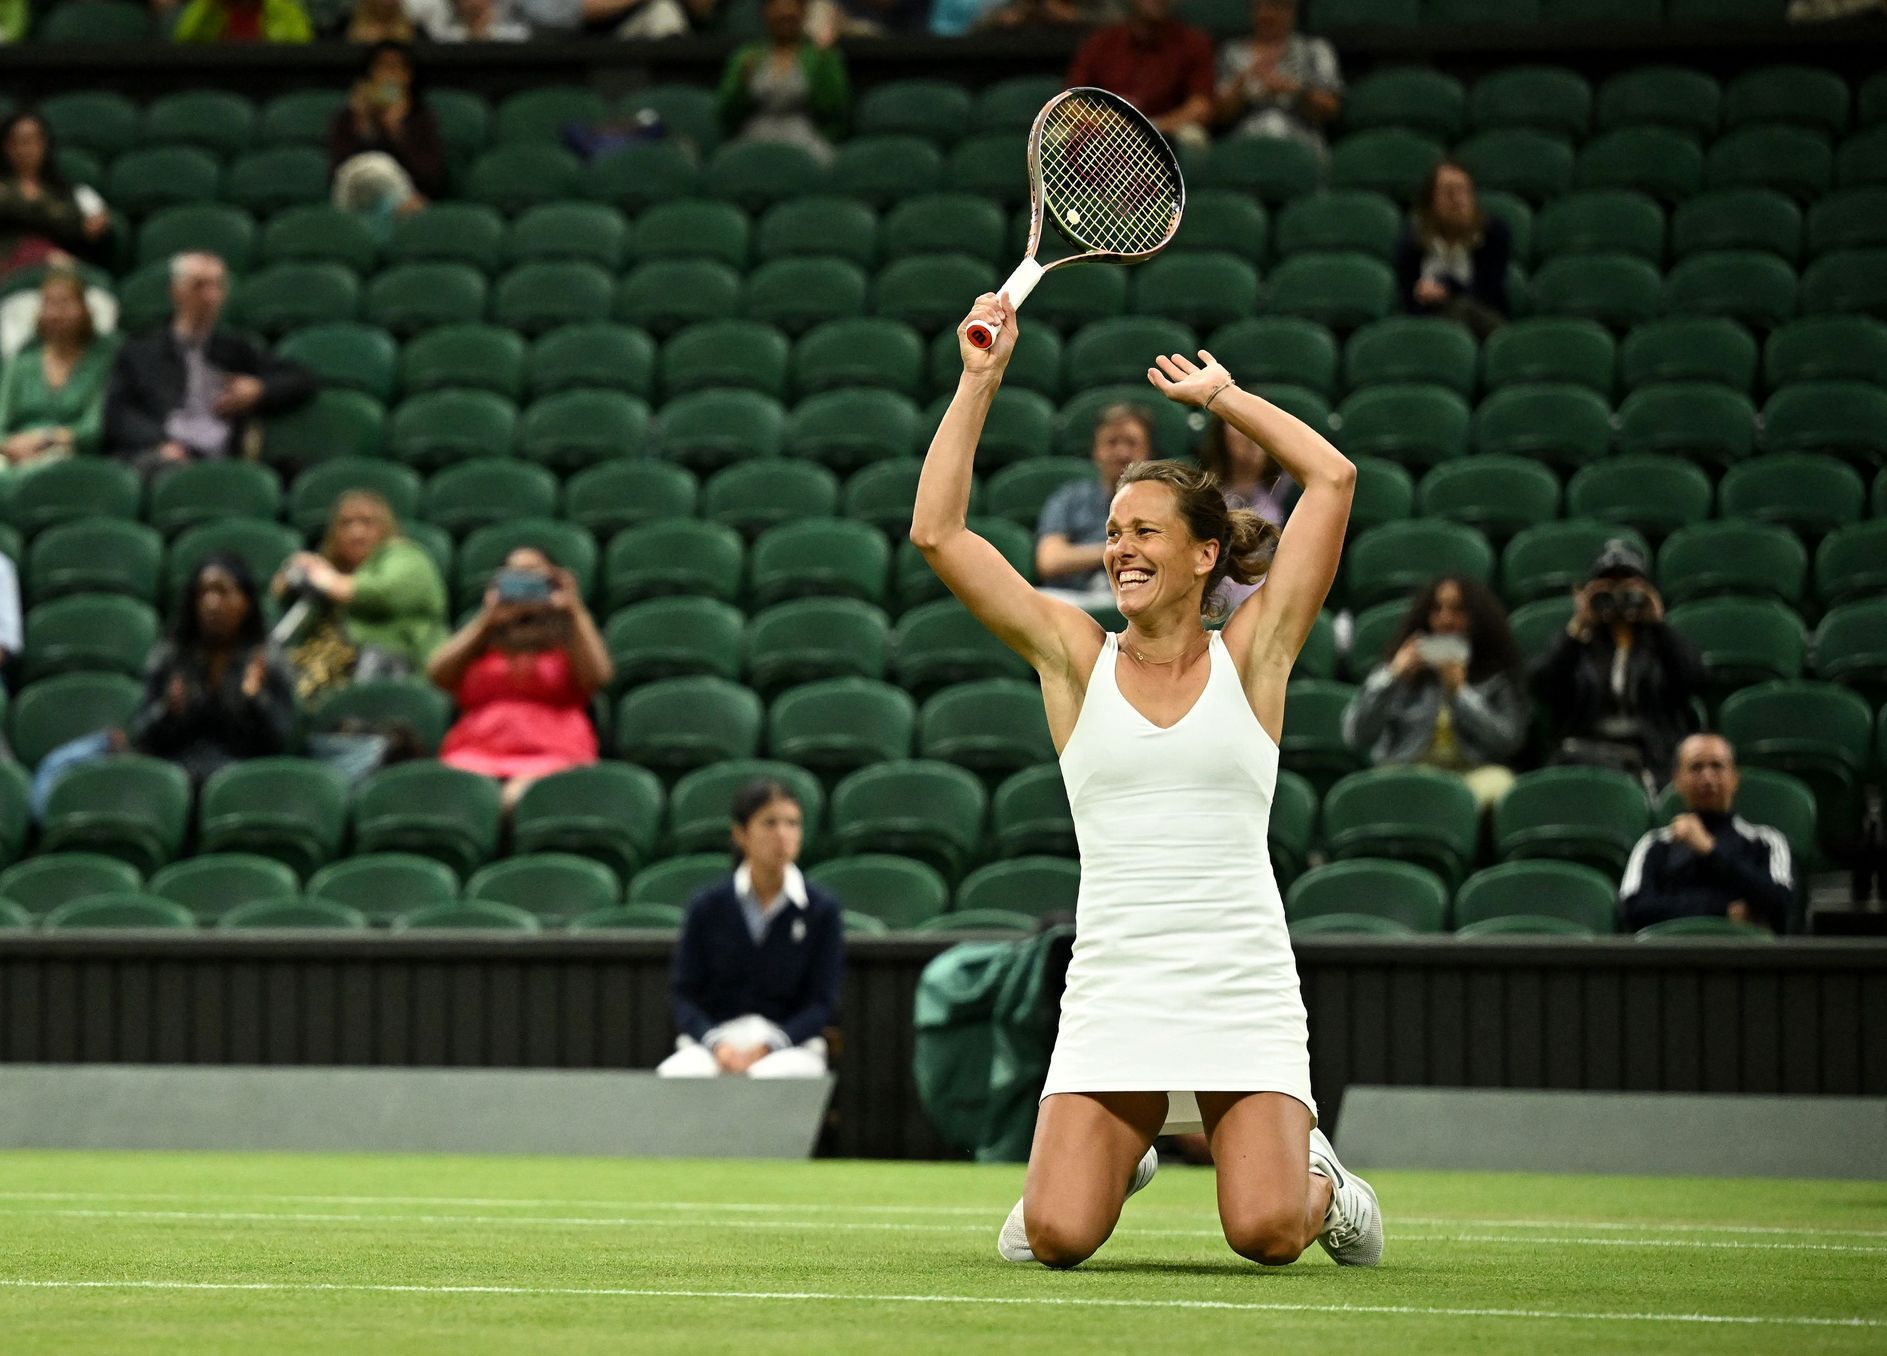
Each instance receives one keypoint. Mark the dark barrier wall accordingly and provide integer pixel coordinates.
(1786, 1018)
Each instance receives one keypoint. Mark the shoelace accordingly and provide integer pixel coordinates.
(1345, 1231)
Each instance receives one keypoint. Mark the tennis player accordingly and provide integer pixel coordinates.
(1182, 1010)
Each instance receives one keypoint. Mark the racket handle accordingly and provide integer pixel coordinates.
(982, 333)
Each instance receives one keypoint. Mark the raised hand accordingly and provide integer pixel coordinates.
(1180, 379)
(995, 358)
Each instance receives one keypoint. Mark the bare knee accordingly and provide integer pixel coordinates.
(1062, 1243)
(1271, 1239)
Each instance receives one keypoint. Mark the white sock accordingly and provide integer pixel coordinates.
(1012, 1244)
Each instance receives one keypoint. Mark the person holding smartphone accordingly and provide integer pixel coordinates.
(522, 672)
(1450, 691)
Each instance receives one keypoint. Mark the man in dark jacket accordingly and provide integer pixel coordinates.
(184, 393)
(1620, 681)
(1707, 862)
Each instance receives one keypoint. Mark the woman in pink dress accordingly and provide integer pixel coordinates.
(523, 672)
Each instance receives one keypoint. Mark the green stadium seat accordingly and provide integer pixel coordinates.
(885, 494)
(708, 430)
(1563, 892)
(130, 807)
(73, 488)
(1498, 495)
(409, 298)
(1847, 280)
(1407, 96)
(1685, 99)
(700, 806)
(94, 555)
(293, 912)
(1747, 285)
(484, 552)
(1370, 634)
(211, 490)
(1340, 289)
(1072, 297)
(1395, 559)
(1196, 288)
(554, 886)
(50, 880)
(1533, 926)
(1532, 165)
(987, 166)
(537, 298)
(143, 181)
(1293, 814)
(1385, 493)
(1616, 290)
(1858, 161)
(686, 111)
(895, 891)
(318, 233)
(1313, 745)
(615, 495)
(608, 812)
(94, 120)
(1814, 495)
(262, 545)
(729, 353)
(1011, 105)
(994, 726)
(839, 227)
(1545, 98)
(301, 117)
(1870, 103)
(1029, 814)
(473, 494)
(930, 811)
(468, 915)
(311, 501)
(674, 638)
(677, 556)
(117, 910)
(692, 229)
(639, 177)
(1689, 349)
(1588, 815)
(883, 170)
(464, 121)
(88, 632)
(577, 429)
(1019, 492)
(754, 175)
(751, 497)
(1850, 219)
(476, 357)
(515, 178)
(1021, 424)
(1551, 558)
(1732, 556)
(1851, 562)
(1414, 814)
(268, 181)
(1785, 160)
(917, 583)
(1271, 169)
(849, 429)
(1344, 221)
(1806, 95)
(348, 355)
(334, 425)
(679, 724)
(79, 167)
(799, 293)
(436, 542)
(1537, 626)
(1390, 160)
(1224, 222)
(1074, 434)
(670, 294)
(1816, 731)
(1411, 349)
(288, 296)
(867, 351)
(1550, 350)
(439, 428)
(228, 232)
(1120, 350)
(428, 808)
(1737, 219)
(1348, 925)
(15, 814)
(676, 881)
(1743, 640)
(449, 233)
(814, 556)
(293, 810)
(1415, 425)
(940, 643)
(1389, 890)
(388, 703)
(1686, 931)
(1841, 418)
(1695, 419)
(810, 639)
(1279, 349)
(838, 725)
(963, 921)
(1653, 494)
(1850, 646)
(930, 292)
(212, 884)
(1657, 161)
(1034, 887)
(144, 299)
(937, 110)
(542, 115)
(1599, 221)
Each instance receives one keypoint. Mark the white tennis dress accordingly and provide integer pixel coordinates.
(1182, 979)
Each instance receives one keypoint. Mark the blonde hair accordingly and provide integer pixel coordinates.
(388, 519)
(69, 278)
(1246, 541)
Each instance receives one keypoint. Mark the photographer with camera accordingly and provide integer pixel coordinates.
(1620, 681)
(385, 150)
(1449, 692)
(522, 672)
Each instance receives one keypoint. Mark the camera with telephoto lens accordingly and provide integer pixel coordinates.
(1630, 606)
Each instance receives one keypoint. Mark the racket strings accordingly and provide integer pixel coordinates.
(1105, 181)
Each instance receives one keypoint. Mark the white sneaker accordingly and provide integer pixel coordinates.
(1012, 1244)
(1352, 1233)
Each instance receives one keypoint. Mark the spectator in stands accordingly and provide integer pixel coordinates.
(1450, 691)
(43, 219)
(523, 672)
(187, 391)
(375, 606)
(761, 955)
(1278, 82)
(1707, 862)
(1620, 681)
(1452, 258)
(1071, 531)
(1161, 66)
(1247, 475)
(476, 21)
(52, 397)
(243, 21)
(385, 149)
(786, 88)
(380, 21)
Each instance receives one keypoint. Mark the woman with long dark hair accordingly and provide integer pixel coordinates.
(385, 149)
(1450, 691)
(1452, 259)
(42, 217)
(758, 966)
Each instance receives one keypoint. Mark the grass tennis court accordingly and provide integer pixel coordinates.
(252, 1253)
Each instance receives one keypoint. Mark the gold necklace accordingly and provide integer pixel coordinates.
(1140, 658)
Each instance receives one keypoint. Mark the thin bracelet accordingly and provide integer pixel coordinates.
(1207, 407)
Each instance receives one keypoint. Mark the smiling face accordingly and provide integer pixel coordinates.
(1152, 560)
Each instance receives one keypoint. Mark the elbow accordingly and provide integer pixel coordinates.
(928, 536)
(1343, 473)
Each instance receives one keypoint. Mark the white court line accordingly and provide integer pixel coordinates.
(672, 1222)
(1021, 1301)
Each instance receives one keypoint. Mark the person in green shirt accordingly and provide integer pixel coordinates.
(786, 88)
(52, 396)
(243, 21)
(381, 603)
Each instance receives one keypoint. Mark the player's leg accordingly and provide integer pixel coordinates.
(1082, 1165)
(1271, 1205)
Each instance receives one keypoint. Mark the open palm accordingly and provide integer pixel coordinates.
(1180, 379)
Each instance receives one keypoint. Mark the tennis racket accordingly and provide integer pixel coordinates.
(1105, 177)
